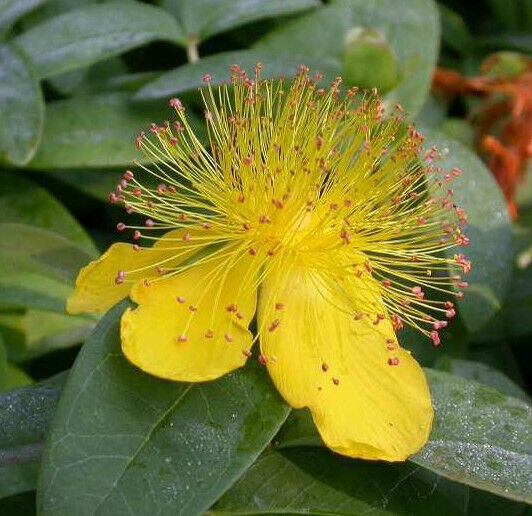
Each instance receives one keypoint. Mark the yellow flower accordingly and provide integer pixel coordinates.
(312, 211)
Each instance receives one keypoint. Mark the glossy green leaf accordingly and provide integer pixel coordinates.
(202, 19)
(38, 267)
(218, 66)
(480, 436)
(21, 107)
(23, 201)
(33, 333)
(482, 373)
(25, 415)
(12, 10)
(316, 482)
(89, 34)
(123, 440)
(411, 28)
(97, 131)
(488, 228)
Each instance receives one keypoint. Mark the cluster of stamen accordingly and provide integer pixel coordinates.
(314, 178)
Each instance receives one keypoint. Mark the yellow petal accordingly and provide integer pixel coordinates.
(193, 326)
(96, 289)
(322, 358)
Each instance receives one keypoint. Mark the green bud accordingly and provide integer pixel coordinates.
(369, 60)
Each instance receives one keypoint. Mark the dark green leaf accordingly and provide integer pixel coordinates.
(33, 333)
(218, 66)
(489, 230)
(316, 482)
(455, 33)
(482, 373)
(25, 416)
(96, 131)
(411, 28)
(11, 10)
(24, 202)
(89, 34)
(16, 378)
(480, 436)
(118, 431)
(520, 41)
(202, 19)
(21, 108)
(38, 267)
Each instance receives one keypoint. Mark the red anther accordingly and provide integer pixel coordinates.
(345, 236)
(180, 299)
(128, 175)
(270, 252)
(247, 353)
(207, 114)
(415, 258)
(448, 304)
(324, 367)
(279, 306)
(435, 337)
(246, 226)
(241, 198)
(319, 141)
(136, 247)
(146, 283)
(459, 295)
(247, 161)
(193, 308)
(239, 315)
(207, 78)
(228, 337)
(154, 128)
(120, 226)
(231, 308)
(358, 316)
(336, 381)
(274, 325)
(386, 283)
(176, 104)
(334, 206)
(262, 359)
(393, 361)
(278, 203)
(447, 177)
(138, 140)
(182, 216)
(182, 338)
(173, 141)
(406, 301)
(417, 291)
(136, 234)
(149, 223)
(438, 325)
(450, 313)
(161, 188)
(421, 221)
(368, 267)
(129, 209)
(120, 276)
(206, 226)
(252, 251)
(137, 192)
(264, 219)
(348, 202)
(456, 172)
(397, 322)
(463, 284)
(186, 237)
(113, 198)
(209, 334)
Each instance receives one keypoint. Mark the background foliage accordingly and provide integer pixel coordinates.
(84, 432)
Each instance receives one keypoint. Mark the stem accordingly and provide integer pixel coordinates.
(192, 50)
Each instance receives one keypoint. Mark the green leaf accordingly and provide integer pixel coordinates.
(317, 482)
(21, 108)
(97, 131)
(16, 377)
(489, 230)
(480, 437)
(118, 430)
(33, 333)
(25, 415)
(23, 201)
(411, 28)
(38, 267)
(12, 10)
(218, 66)
(455, 33)
(202, 19)
(89, 34)
(482, 373)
